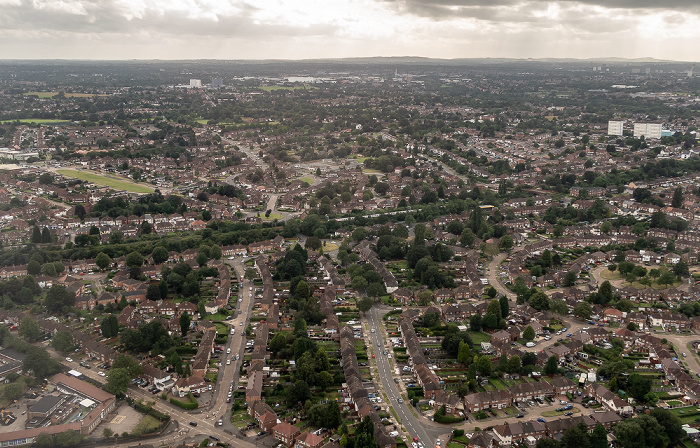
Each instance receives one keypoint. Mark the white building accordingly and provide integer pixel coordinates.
(195, 83)
(648, 130)
(615, 127)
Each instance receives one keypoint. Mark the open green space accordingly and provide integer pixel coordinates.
(147, 425)
(106, 181)
(557, 413)
(307, 179)
(66, 94)
(273, 88)
(272, 217)
(35, 121)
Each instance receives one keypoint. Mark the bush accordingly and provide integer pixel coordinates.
(457, 432)
(447, 419)
(187, 405)
(139, 406)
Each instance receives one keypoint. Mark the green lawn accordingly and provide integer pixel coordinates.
(272, 216)
(479, 337)
(111, 182)
(147, 425)
(306, 179)
(36, 121)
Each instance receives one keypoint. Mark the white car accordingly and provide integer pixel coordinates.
(69, 360)
(228, 351)
(228, 362)
(530, 344)
(240, 324)
(101, 373)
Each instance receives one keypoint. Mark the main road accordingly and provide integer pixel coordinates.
(425, 430)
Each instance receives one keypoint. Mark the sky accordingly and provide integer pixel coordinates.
(307, 29)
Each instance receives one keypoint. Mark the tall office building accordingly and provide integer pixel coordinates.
(195, 83)
(615, 127)
(647, 130)
(217, 83)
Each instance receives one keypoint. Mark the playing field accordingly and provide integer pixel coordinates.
(111, 182)
(67, 94)
(36, 121)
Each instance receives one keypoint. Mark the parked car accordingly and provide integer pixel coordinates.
(541, 420)
(193, 423)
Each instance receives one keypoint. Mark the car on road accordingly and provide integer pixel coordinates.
(228, 351)
(541, 420)
(379, 344)
(193, 423)
(373, 330)
(228, 362)
(69, 360)
(569, 414)
(519, 416)
(415, 439)
(214, 438)
(400, 400)
(101, 373)
(240, 324)
(219, 423)
(530, 344)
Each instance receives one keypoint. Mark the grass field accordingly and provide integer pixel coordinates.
(36, 121)
(272, 217)
(111, 182)
(67, 94)
(147, 425)
(308, 180)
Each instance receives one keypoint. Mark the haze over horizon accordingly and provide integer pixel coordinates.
(316, 29)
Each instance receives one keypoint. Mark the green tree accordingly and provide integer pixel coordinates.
(278, 343)
(13, 391)
(505, 307)
(33, 267)
(483, 365)
(250, 274)
(475, 322)
(583, 310)
(681, 270)
(514, 364)
(134, 260)
(638, 386)
(159, 255)
(425, 297)
(506, 243)
(184, 324)
(677, 201)
(102, 261)
(666, 278)
(539, 301)
(599, 438)
(570, 278)
(58, 299)
(364, 434)
(117, 381)
(642, 431)
(36, 235)
(494, 307)
(577, 437)
(365, 304)
(123, 361)
(63, 341)
(529, 333)
(671, 424)
(153, 292)
(464, 354)
(40, 364)
(109, 326)
(29, 329)
(552, 366)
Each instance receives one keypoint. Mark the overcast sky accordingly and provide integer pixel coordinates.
(301, 29)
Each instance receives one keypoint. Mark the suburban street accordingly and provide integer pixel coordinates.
(426, 430)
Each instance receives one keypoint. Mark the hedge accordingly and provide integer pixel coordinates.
(149, 410)
(446, 419)
(187, 405)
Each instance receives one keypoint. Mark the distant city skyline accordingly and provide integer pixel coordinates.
(307, 29)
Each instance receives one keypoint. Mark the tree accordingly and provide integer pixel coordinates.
(375, 289)
(529, 333)
(666, 278)
(107, 432)
(505, 307)
(33, 267)
(638, 386)
(425, 297)
(483, 365)
(250, 274)
(102, 261)
(134, 260)
(547, 443)
(58, 299)
(153, 292)
(599, 438)
(464, 353)
(570, 278)
(576, 437)
(677, 201)
(29, 329)
(117, 381)
(278, 343)
(40, 364)
(539, 301)
(80, 211)
(475, 322)
(670, 423)
(63, 342)
(643, 431)
(184, 324)
(583, 310)
(13, 391)
(109, 326)
(681, 270)
(128, 363)
(506, 243)
(364, 434)
(298, 394)
(365, 304)
(514, 364)
(36, 235)
(159, 255)
(552, 366)
(494, 307)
